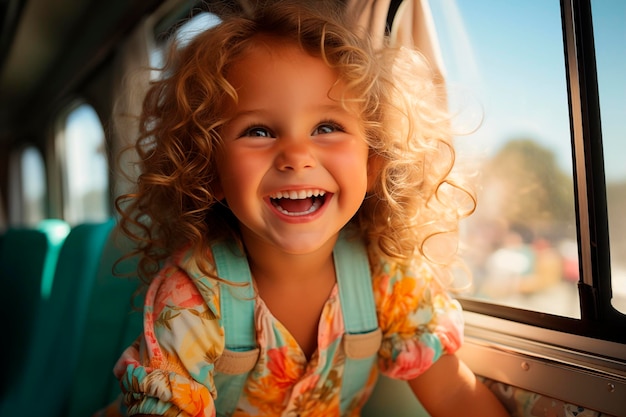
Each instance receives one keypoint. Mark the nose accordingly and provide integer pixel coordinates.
(295, 155)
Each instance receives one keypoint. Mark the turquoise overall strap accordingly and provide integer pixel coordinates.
(361, 341)
(363, 337)
(237, 320)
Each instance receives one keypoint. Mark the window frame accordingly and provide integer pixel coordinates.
(592, 211)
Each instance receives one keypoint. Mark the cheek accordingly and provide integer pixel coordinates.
(354, 167)
(238, 172)
(360, 160)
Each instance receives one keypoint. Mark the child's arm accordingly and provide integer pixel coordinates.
(450, 388)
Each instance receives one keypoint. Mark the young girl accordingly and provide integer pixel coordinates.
(272, 135)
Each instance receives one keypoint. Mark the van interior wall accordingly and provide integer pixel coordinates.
(4, 176)
(99, 92)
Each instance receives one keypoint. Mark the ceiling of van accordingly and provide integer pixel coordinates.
(45, 45)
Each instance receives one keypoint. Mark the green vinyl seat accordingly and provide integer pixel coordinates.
(43, 382)
(28, 258)
(112, 324)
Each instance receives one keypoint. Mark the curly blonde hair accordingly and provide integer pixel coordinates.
(412, 200)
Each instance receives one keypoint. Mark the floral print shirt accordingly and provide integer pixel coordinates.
(169, 370)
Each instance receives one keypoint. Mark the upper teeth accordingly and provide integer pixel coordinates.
(298, 195)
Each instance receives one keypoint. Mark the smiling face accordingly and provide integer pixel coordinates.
(293, 168)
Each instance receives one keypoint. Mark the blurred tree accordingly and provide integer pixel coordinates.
(531, 189)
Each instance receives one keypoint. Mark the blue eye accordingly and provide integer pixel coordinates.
(257, 132)
(326, 128)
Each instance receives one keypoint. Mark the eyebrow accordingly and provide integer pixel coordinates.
(335, 107)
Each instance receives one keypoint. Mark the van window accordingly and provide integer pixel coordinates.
(27, 189)
(182, 34)
(507, 85)
(81, 147)
(543, 107)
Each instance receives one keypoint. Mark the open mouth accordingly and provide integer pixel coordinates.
(298, 203)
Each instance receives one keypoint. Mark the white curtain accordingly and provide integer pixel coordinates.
(412, 27)
(131, 81)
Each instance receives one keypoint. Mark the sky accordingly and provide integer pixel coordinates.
(504, 60)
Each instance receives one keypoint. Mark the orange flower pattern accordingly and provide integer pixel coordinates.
(169, 371)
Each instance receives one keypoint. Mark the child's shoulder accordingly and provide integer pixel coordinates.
(390, 268)
(181, 281)
(194, 264)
